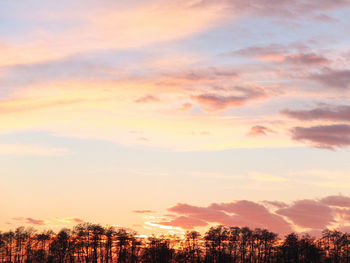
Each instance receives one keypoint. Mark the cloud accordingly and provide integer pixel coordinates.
(66, 220)
(272, 51)
(259, 130)
(185, 107)
(185, 222)
(282, 218)
(324, 18)
(204, 213)
(336, 200)
(33, 221)
(326, 112)
(78, 220)
(277, 204)
(216, 102)
(324, 136)
(238, 213)
(285, 54)
(308, 214)
(334, 79)
(143, 211)
(255, 215)
(204, 74)
(146, 99)
(280, 8)
(294, 54)
(306, 59)
(48, 222)
(96, 26)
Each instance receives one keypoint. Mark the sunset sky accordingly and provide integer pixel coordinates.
(169, 115)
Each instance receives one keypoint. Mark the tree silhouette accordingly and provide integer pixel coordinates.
(93, 243)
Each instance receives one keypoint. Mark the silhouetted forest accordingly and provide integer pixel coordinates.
(96, 244)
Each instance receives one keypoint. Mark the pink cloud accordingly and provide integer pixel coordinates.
(259, 130)
(326, 112)
(255, 215)
(336, 200)
(215, 102)
(146, 99)
(203, 213)
(309, 214)
(78, 220)
(143, 211)
(33, 221)
(239, 213)
(324, 18)
(306, 59)
(324, 136)
(277, 204)
(292, 54)
(186, 107)
(314, 214)
(278, 8)
(205, 74)
(272, 52)
(185, 222)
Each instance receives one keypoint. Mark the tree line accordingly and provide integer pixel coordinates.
(92, 243)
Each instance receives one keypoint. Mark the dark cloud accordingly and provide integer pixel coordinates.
(326, 112)
(324, 136)
(331, 78)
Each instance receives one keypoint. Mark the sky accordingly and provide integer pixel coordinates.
(170, 115)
